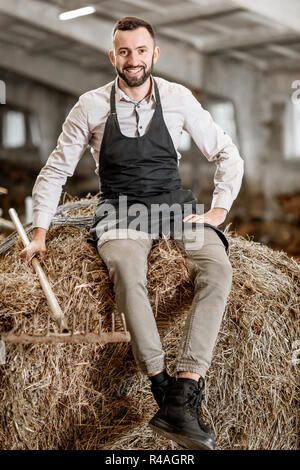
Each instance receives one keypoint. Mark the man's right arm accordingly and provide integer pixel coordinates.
(61, 164)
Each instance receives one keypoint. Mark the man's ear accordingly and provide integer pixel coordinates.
(156, 54)
(111, 56)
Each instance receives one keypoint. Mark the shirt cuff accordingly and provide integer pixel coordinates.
(41, 220)
(222, 201)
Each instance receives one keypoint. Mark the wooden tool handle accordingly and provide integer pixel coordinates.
(57, 313)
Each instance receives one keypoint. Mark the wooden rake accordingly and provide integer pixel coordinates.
(63, 333)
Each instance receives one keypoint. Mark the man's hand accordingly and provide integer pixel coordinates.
(215, 216)
(37, 246)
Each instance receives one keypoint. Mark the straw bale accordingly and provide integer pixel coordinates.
(93, 397)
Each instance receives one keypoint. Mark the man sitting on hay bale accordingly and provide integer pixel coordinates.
(134, 125)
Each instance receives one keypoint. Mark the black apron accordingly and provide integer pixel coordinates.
(142, 170)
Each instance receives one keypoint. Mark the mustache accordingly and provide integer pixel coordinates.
(134, 67)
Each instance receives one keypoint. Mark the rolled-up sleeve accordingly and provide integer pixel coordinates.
(61, 164)
(218, 147)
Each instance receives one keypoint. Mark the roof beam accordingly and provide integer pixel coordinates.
(96, 33)
(217, 27)
(229, 38)
(266, 31)
(147, 4)
(190, 11)
(53, 72)
(49, 45)
(248, 38)
(245, 57)
(284, 51)
(87, 30)
(284, 13)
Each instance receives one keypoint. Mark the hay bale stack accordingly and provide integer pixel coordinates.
(92, 397)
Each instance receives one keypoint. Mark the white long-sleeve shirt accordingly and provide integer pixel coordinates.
(85, 126)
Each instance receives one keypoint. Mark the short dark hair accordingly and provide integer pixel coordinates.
(129, 23)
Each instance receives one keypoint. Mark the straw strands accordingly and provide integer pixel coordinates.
(92, 397)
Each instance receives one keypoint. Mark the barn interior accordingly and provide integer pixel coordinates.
(241, 59)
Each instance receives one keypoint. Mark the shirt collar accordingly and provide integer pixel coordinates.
(121, 96)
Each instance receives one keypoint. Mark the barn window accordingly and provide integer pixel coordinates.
(291, 133)
(13, 129)
(18, 128)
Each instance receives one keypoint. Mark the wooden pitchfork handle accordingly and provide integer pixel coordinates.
(57, 313)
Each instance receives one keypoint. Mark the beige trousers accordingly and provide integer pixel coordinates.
(211, 271)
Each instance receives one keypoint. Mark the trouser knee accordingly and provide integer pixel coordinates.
(126, 264)
(127, 273)
(215, 271)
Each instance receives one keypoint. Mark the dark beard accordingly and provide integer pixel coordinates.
(133, 82)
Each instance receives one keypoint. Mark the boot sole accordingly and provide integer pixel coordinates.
(175, 434)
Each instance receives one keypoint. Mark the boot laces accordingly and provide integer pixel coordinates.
(196, 394)
(194, 399)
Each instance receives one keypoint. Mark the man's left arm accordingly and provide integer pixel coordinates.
(217, 147)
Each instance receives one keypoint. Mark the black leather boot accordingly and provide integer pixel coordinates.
(178, 417)
(159, 389)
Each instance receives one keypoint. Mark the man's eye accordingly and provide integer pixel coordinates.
(123, 52)
(142, 51)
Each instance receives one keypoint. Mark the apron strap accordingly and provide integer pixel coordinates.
(157, 97)
(113, 99)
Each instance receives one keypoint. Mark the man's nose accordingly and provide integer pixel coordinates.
(134, 59)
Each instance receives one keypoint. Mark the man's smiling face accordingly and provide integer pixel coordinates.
(134, 55)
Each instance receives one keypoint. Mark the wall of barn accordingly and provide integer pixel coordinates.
(20, 166)
(259, 99)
